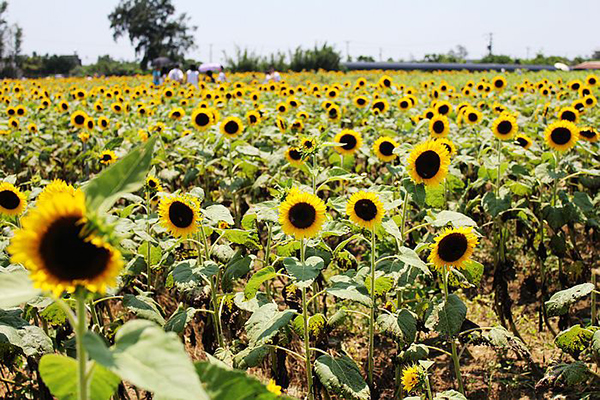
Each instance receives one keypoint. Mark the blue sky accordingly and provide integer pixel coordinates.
(399, 29)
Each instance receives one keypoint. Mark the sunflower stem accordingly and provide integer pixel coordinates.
(306, 332)
(213, 290)
(428, 386)
(594, 312)
(80, 333)
(461, 388)
(372, 316)
(148, 262)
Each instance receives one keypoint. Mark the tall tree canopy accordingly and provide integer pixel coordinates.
(153, 28)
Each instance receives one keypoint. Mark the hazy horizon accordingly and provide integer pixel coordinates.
(390, 29)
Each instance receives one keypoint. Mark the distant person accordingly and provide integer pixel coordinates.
(156, 76)
(272, 75)
(192, 75)
(221, 77)
(209, 76)
(176, 74)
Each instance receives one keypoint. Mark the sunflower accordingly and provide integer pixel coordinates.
(472, 115)
(385, 81)
(202, 118)
(232, 127)
(350, 141)
(439, 126)
(153, 184)
(505, 127)
(294, 156)
(453, 248)
(498, 83)
(55, 187)
(523, 140)
(365, 209)
(443, 107)
(381, 105)
(404, 104)
(568, 114)
(78, 118)
(180, 215)
(253, 117)
(308, 144)
(411, 377)
(561, 135)
(448, 145)
(360, 101)
(274, 388)
(589, 133)
(302, 214)
(107, 157)
(89, 124)
(12, 201)
(334, 112)
(176, 113)
(591, 80)
(384, 148)
(116, 107)
(590, 101)
(60, 254)
(428, 163)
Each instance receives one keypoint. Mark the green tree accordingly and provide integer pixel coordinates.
(153, 28)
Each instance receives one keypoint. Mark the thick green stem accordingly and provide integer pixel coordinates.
(81, 328)
(452, 341)
(594, 314)
(372, 316)
(213, 290)
(307, 350)
(148, 264)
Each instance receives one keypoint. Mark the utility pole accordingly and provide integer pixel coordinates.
(210, 52)
(490, 43)
(347, 50)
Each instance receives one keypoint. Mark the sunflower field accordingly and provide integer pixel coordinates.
(334, 235)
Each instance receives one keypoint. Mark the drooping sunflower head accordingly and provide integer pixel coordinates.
(589, 133)
(294, 156)
(107, 157)
(302, 214)
(447, 143)
(523, 140)
(232, 127)
(428, 163)
(54, 187)
(60, 254)
(439, 126)
(561, 135)
(12, 201)
(384, 148)
(180, 215)
(350, 141)
(505, 127)
(453, 248)
(365, 209)
(411, 377)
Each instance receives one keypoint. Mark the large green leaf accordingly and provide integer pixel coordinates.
(346, 287)
(218, 212)
(574, 340)
(179, 319)
(30, 339)
(223, 384)
(457, 219)
(60, 375)
(450, 395)
(447, 317)
(304, 273)
(251, 356)
(266, 322)
(341, 375)
(237, 267)
(560, 302)
(257, 279)
(15, 288)
(125, 176)
(144, 307)
(150, 359)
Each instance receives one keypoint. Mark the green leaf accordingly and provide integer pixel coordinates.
(501, 338)
(457, 219)
(30, 339)
(473, 271)
(223, 384)
(149, 358)
(435, 196)
(266, 322)
(414, 353)
(218, 212)
(383, 284)
(316, 323)
(447, 317)
(574, 340)
(251, 357)
(572, 374)
(494, 205)
(304, 274)
(16, 288)
(144, 307)
(348, 288)
(596, 343)
(60, 375)
(237, 267)
(179, 319)
(450, 395)
(342, 376)
(560, 302)
(390, 227)
(257, 279)
(125, 176)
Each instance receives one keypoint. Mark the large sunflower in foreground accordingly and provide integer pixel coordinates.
(302, 214)
(453, 248)
(384, 148)
(60, 254)
(428, 163)
(12, 201)
(350, 141)
(180, 215)
(55, 187)
(365, 209)
(561, 135)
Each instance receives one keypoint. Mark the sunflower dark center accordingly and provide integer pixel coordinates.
(152, 183)
(498, 83)
(521, 141)
(9, 200)
(79, 119)
(386, 148)
(444, 109)
(302, 215)
(568, 115)
(504, 127)
(361, 102)
(253, 119)
(333, 112)
(378, 105)
(429, 115)
(180, 214)
(428, 164)
(106, 157)
(404, 104)
(561, 135)
(438, 127)
(295, 155)
(588, 133)
(231, 127)
(452, 247)
(308, 144)
(349, 141)
(365, 209)
(472, 117)
(177, 114)
(202, 119)
(69, 257)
